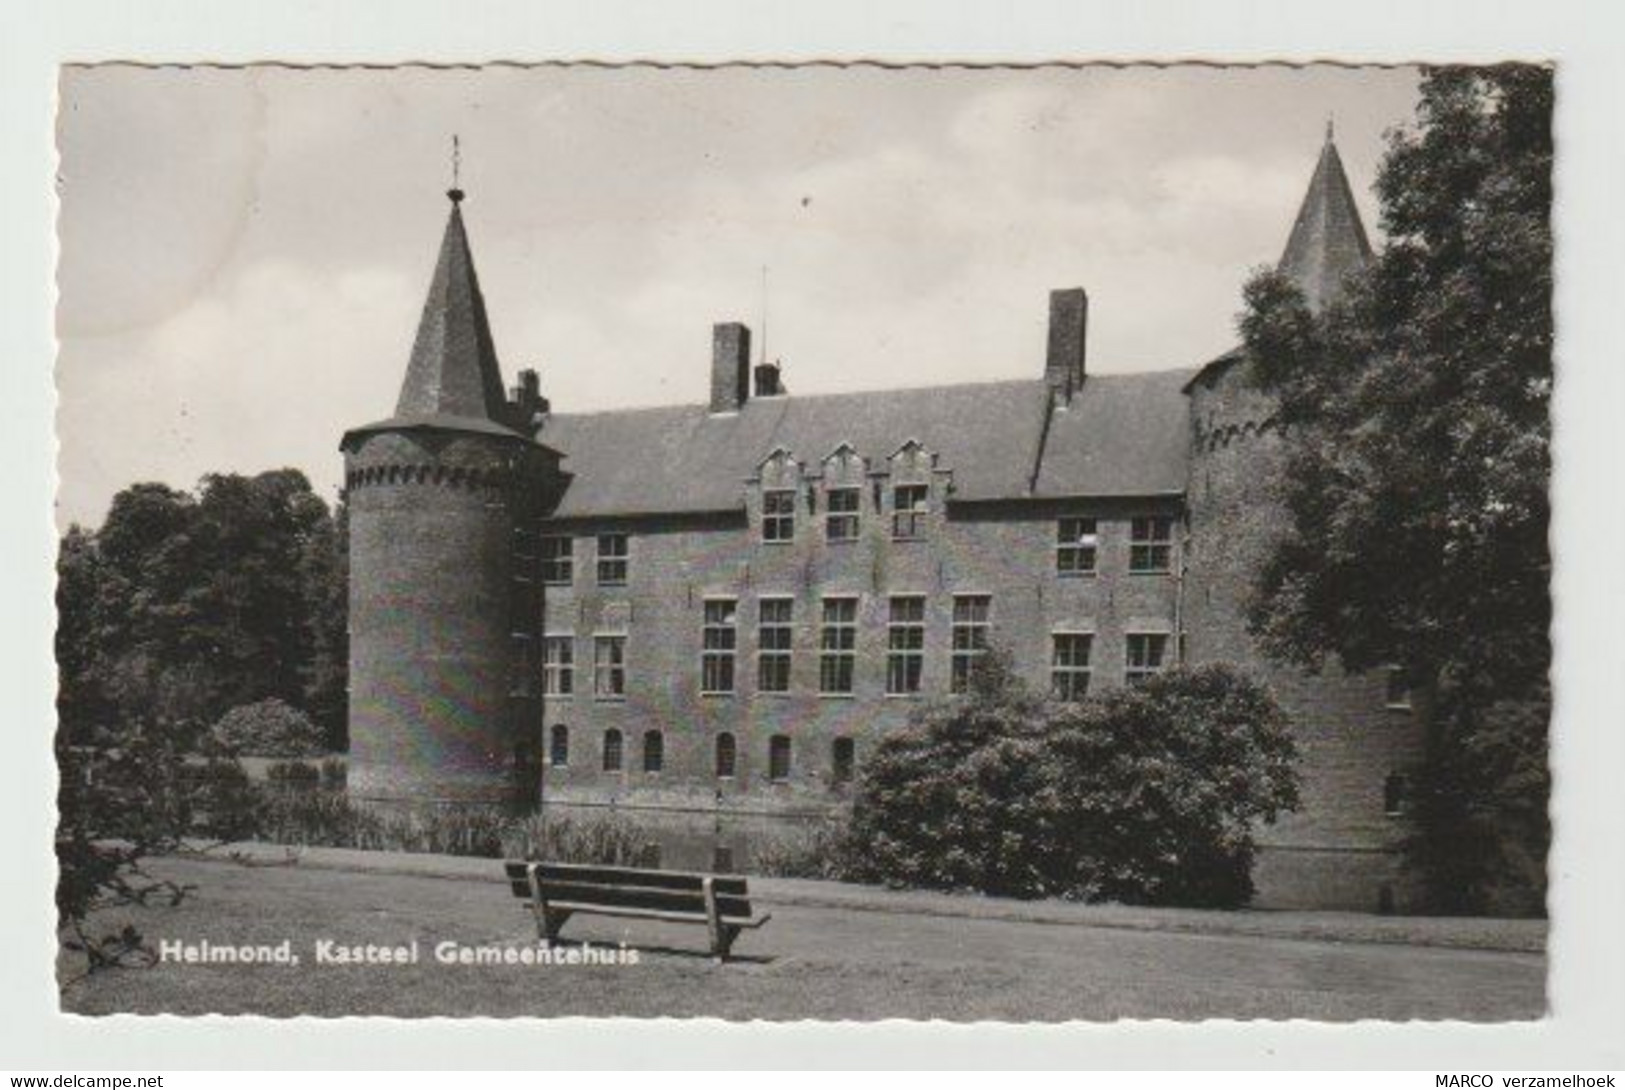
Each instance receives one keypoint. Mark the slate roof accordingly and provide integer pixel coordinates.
(1328, 241)
(453, 381)
(1122, 435)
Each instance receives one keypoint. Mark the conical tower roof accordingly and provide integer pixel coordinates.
(453, 370)
(1328, 241)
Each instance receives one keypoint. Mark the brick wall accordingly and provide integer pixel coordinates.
(431, 619)
(1006, 553)
(1341, 847)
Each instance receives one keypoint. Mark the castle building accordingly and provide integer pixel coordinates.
(722, 608)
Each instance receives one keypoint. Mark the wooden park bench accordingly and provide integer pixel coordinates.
(557, 891)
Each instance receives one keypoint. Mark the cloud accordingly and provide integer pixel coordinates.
(265, 373)
(244, 252)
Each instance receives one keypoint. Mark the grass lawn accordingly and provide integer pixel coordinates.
(812, 961)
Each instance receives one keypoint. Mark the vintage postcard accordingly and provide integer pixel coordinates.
(1030, 543)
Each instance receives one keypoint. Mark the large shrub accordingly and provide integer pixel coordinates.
(961, 797)
(269, 728)
(157, 792)
(1147, 795)
(1158, 789)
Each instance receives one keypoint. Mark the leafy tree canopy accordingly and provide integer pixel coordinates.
(1417, 415)
(181, 607)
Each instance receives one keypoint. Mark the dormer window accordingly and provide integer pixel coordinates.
(908, 512)
(778, 515)
(841, 518)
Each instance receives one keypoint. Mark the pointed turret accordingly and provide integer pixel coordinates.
(1328, 241)
(443, 500)
(453, 370)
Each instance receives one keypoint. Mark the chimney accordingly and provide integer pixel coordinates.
(526, 401)
(730, 366)
(1068, 322)
(769, 381)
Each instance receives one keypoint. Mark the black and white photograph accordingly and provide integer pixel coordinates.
(1028, 543)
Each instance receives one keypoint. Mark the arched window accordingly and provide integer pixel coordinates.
(558, 751)
(725, 756)
(843, 757)
(1394, 790)
(612, 750)
(778, 758)
(654, 751)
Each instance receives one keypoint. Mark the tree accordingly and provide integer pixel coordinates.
(1419, 438)
(180, 608)
(1143, 795)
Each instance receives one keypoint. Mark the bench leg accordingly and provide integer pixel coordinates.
(552, 922)
(729, 934)
(548, 920)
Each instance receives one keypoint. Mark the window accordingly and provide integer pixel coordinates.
(609, 667)
(779, 515)
(837, 645)
(1394, 790)
(727, 754)
(905, 645)
(612, 750)
(843, 758)
(1147, 653)
(613, 550)
(841, 520)
(558, 560)
(1075, 546)
(558, 751)
(558, 665)
(773, 639)
(1069, 665)
(908, 511)
(970, 637)
(1399, 690)
(654, 751)
(1151, 544)
(778, 758)
(721, 636)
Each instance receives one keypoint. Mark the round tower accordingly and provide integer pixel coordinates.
(442, 616)
(1342, 847)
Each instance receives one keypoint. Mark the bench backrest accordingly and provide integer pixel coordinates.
(631, 887)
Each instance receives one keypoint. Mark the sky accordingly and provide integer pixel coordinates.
(244, 252)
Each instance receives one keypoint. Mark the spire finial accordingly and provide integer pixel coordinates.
(455, 192)
(1329, 128)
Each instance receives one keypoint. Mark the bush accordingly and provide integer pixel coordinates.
(151, 794)
(822, 851)
(1146, 795)
(269, 728)
(329, 819)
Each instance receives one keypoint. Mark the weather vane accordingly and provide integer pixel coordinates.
(456, 192)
